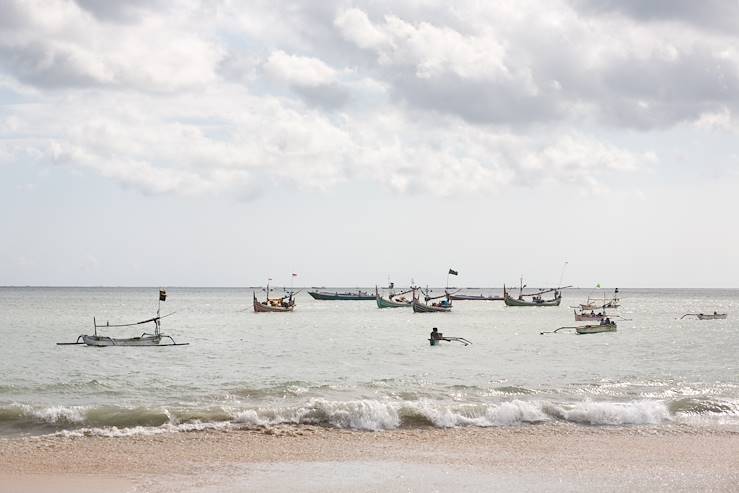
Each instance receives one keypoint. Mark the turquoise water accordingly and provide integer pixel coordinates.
(352, 365)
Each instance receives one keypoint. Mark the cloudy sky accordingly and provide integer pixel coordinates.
(221, 142)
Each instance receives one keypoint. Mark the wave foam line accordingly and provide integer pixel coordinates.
(361, 414)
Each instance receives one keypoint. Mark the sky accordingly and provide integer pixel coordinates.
(224, 142)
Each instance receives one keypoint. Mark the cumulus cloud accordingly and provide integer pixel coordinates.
(196, 97)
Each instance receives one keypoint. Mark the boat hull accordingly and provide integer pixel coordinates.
(103, 341)
(596, 329)
(385, 303)
(711, 316)
(510, 301)
(317, 295)
(419, 307)
(472, 297)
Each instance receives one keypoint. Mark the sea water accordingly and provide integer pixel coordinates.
(348, 364)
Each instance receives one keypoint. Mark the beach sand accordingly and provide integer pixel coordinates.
(544, 457)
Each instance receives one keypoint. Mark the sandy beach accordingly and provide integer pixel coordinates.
(551, 458)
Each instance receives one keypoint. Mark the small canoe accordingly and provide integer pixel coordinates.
(595, 329)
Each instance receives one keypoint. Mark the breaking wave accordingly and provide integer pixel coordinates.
(360, 414)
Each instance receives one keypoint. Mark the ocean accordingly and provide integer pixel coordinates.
(350, 365)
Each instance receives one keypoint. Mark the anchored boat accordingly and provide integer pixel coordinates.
(358, 295)
(146, 339)
(445, 305)
(596, 328)
(706, 316)
(536, 299)
(474, 297)
(394, 300)
(282, 304)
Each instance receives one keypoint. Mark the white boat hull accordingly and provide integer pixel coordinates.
(596, 329)
(103, 341)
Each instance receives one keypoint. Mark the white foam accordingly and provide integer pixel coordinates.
(612, 413)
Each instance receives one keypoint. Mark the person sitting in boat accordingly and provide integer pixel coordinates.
(436, 335)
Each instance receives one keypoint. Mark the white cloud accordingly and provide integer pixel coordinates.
(197, 98)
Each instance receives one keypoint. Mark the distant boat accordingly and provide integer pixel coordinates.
(706, 316)
(474, 297)
(346, 296)
(445, 305)
(282, 304)
(145, 339)
(584, 316)
(536, 299)
(394, 300)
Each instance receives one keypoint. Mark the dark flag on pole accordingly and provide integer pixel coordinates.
(162, 295)
(453, 272)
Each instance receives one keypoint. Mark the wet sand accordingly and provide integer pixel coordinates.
(547, 457)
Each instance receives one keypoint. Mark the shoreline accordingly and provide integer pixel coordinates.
(553, 458)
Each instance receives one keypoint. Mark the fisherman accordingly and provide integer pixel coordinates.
(436, 335)
(608, 321)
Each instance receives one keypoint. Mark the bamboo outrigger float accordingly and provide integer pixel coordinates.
(283, 304)
(145, 339)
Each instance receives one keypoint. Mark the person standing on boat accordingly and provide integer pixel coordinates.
(436, 335)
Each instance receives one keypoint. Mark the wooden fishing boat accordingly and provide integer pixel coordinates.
(394, 300)
(146, 339)
(474, 297)
(346, 296)
(536, 299)
(445, 305)
(596, 328)
(282, 304)
(706, 316)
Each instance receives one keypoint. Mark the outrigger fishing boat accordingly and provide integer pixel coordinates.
(445, 305)
(536, 298)
(145, 339)
(358, 295)
(706, 316)
(596, 304)
(282, 304)
(436, 337)
(394, 300)
(606, 325)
